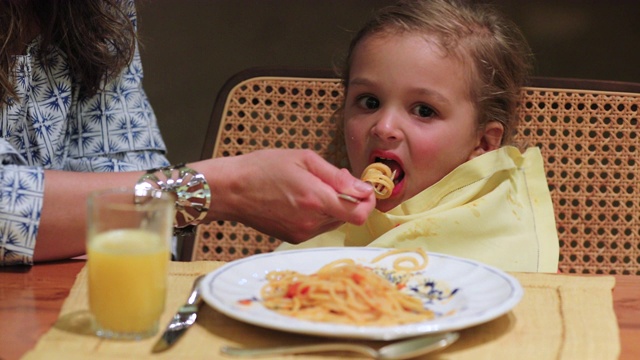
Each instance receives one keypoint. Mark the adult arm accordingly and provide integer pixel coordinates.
(62, 230)
(289, 194)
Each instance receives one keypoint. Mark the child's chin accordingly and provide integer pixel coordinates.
(386, 205)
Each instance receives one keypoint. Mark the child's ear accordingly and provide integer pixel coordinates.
(490, 139)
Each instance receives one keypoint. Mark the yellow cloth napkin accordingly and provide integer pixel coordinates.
(559, 317)
(495, 208)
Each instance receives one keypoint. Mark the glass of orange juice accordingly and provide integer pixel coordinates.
(128, 252)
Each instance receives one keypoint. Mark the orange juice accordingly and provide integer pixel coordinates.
(127, 280)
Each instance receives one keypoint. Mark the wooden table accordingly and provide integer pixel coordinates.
(31, 298)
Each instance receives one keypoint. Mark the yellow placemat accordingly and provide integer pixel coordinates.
(559, 317)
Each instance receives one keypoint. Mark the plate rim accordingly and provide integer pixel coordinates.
(354, 331)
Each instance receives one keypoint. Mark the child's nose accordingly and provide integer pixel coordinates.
(387, 126)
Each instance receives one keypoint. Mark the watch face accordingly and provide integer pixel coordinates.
(189, 188)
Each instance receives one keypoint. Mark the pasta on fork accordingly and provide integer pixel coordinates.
(380, 176)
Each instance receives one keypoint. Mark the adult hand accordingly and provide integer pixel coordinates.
(289, 194)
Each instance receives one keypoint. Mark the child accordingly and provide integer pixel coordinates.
(431, 88)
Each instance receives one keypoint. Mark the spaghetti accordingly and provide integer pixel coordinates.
(345, 292)
(380, 176)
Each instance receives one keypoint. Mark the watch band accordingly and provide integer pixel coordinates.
(189, 187)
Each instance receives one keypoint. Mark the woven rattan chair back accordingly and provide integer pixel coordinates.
(588, 138)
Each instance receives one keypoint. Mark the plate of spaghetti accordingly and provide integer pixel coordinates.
(360, 292)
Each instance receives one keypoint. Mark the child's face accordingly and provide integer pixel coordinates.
(408, 103)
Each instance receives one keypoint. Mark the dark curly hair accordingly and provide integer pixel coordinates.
(97, 37)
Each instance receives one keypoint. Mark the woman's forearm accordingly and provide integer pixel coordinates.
(62, 229)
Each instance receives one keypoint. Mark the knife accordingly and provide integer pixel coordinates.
(181, 321)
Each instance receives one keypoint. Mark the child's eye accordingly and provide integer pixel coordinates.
(369, 102)
(423, 111)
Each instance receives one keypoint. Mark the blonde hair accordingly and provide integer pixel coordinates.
(498, 53)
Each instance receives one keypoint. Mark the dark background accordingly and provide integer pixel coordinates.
(191, 47)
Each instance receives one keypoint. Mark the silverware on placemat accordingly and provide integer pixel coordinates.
(405, 349)
(181, 321)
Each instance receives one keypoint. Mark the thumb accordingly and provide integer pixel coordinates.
(350, 185)
(339, 179)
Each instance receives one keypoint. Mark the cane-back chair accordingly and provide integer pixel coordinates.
(587, 132)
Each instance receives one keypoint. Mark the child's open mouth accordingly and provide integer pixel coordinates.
(396, 169)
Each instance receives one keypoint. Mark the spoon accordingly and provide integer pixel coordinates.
(399, 350)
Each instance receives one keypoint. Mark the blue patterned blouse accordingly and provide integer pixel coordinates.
(51, 126)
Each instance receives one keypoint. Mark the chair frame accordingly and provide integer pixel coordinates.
(325, 73)
(540, 84)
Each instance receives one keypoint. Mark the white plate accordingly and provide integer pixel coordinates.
(483, 292)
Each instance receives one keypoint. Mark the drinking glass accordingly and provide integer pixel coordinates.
(128, 252)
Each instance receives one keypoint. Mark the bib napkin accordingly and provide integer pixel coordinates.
(495, 208)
